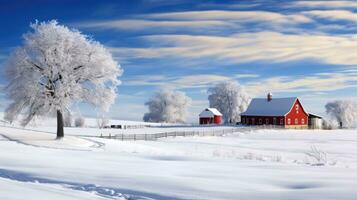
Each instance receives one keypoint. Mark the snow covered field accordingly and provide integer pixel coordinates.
(261, 164)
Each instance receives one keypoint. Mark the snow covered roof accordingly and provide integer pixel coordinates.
(314, 116)
(274, 107)
(210, 112)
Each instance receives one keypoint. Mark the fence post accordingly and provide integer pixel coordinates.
(134, 137)
(122, 137)
(145, 136)
(110, 136)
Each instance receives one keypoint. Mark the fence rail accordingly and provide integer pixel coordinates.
(156, 136)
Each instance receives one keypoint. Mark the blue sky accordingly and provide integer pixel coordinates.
(290, 48)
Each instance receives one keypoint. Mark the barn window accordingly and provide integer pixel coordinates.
(302, 121)
(297, 108)
(281, 121)
(274, 121)
(260, 121)
(267, 121)
(289, 121)
(296, 121)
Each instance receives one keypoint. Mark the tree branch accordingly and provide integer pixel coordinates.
(35, 65)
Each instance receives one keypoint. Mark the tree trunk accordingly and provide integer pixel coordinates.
(60, 132)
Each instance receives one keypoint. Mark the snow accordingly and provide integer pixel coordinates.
(275, 107)
(210, 112)
(11, 189)
(44, 139)
(254, 164)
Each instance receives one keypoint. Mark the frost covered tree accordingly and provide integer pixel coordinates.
(343, 111)
(79, 122)
(55, 67)
(230, 99)
(167, 106)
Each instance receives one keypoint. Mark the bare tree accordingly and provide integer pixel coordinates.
(167, 106)
(55, 67)
(102, 121)
(230, 99)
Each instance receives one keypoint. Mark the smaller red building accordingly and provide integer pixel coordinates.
(210, 116)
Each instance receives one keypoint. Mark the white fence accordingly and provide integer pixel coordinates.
(154, 136)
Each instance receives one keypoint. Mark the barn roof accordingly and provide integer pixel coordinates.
(274, 107)
(210, 112)
(311, 115)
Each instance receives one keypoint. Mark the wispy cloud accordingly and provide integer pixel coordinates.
(246, 76)
(314, 83)
(248, 47)
(241, 16)
(333, 14)
(180, 82)
(318, 82)
(141, 24)
(325, 4)
(207, 21)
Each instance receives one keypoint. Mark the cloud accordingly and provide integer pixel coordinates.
(241, 5)
(248, 47)
(207, 21)
(241, 76)
(188, 81)
(333, 14)
(325, 82)
(325, 4)
(318, 82)
(141, 24)
(241, 16)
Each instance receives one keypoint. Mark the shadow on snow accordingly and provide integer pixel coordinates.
(107, 192)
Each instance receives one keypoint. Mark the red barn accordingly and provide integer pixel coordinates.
(210, 116)
(286, 112)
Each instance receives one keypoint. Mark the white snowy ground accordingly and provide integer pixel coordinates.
(261, 164)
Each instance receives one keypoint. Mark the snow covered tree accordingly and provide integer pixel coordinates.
(79, 122)
(167, 106)
(344, 112)
(230, 99)
(55, 67)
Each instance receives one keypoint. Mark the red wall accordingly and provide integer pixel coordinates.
(297, 113)
(214, 120)
(261, 120)
(217, 119)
